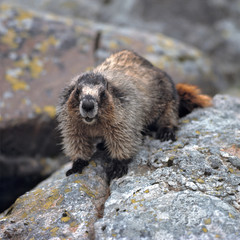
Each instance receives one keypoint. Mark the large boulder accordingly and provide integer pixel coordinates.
(187, 189)
(39, 54)
(211, 25)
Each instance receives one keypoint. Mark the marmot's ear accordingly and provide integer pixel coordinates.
(107, 85)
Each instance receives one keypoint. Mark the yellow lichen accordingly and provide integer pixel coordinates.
(150, 49)
(46, 44)
(22, 15)
(36, 67)
(54, 231)
(73, 224)
(197, 132)
(135, 201)
(230, 215)
(67, 190)
(93, 163)
(37, 109)
(146, 191)
(87, 191)
(207, 221)
(204, 229)
(4, 7)
(24, 215)
(65, 219)
(9, 38)
(50, 110)
(113, 45)
(199, 180)
(16, 83)
(185, 121)
(77, 181)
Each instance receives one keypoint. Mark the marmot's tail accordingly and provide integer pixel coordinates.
(190, 98)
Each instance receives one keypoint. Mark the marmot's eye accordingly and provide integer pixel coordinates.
(103, 94)
(77, 92)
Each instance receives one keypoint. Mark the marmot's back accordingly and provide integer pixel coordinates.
(140, 81)
(116, 102)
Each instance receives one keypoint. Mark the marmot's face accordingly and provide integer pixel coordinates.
(91, 92)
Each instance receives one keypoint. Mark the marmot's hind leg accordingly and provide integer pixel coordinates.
(116, 168)
(167, 123)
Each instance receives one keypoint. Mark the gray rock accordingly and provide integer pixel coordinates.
(211, 25)
(180, 197)
(189, 198)
(149, 214)
(59, 207)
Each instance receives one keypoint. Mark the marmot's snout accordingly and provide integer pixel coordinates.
(88, 108)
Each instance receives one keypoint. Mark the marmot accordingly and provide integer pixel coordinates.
(117, 101)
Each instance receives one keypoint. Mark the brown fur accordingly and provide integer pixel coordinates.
(138, 95)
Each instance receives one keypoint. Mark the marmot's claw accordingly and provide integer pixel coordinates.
(77, 167)
(165, 134)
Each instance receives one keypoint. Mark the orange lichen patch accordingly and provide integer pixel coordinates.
(233, 150)
(9, 38)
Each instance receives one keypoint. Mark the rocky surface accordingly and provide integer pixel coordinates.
(211, 25)
(40, 53)
(187, 189)
(59, 207)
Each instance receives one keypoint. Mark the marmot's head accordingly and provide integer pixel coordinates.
(89, 95)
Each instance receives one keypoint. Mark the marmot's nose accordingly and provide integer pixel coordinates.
(88, 105)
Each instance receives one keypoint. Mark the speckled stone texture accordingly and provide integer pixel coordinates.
(59, 207)
(187, 189)
(40, 53)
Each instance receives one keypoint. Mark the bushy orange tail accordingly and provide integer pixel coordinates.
(190, 98)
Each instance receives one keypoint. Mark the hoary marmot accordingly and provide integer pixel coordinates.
(116, 102)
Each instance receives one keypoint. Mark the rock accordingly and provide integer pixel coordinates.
(59, 207)
(39, 55)
(148, 214)
(30, 152)
(42, 51)
(211, 25)
(181, 197)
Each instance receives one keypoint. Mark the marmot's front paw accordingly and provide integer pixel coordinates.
(77, 166)
(166, 133)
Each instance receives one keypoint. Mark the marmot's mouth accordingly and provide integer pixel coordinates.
(89, 120)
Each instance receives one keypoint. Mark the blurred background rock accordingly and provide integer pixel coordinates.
(213, 26)
(43, 44)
